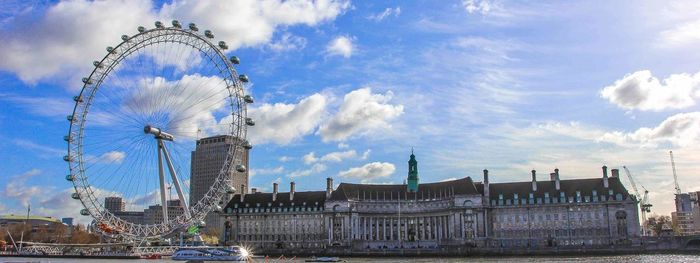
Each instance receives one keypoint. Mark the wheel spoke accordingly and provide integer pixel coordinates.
(150, 81)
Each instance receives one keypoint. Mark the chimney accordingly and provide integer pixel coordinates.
(615, 173)
(605, 177)
(243, 191)
(557, 185)
(253, 190)
(291, 190)
(486, 184)
(329, 187)
(534, 180)
(275, 188)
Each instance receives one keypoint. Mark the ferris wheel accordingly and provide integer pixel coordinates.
(137, 122)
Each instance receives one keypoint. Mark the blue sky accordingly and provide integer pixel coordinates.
(346, 89)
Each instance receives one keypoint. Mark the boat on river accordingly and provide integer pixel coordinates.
(234, 254)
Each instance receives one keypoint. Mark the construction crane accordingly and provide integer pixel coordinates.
(644, 205)
(675, 177)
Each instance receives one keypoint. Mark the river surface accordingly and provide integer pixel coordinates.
(677, 258)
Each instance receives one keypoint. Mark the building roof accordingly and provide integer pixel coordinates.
(24, 217)
(310, 198)
(349, 191)
(569, 187)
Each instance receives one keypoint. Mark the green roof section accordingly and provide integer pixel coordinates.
(24, 217)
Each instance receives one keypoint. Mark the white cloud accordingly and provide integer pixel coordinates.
(285, 159)
(640, 90)
(683, 34)
(251, 22)
(41, 150)
(310, 158)
(682, 130)
(341, 46)
(112, 157)
(288, 42)
(343, 145)
(339, 156)
(387, 12)
(316, 168)
(477, 6)
(365, 155)
(45, 200)
(46, 107)
(361, 113)
(283, 123)
(17, 189)
(58, 44)
(266, 171)
(369, 171)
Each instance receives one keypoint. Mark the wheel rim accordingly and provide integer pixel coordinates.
(149, 79)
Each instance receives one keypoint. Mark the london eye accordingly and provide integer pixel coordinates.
(137, 120)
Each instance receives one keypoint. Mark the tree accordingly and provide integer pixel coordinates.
(81, 236)
(655, 223)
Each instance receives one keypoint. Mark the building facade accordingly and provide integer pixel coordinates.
(206, 162)
(114, 204)
(456, 213)
(686, 218)
(276, 220)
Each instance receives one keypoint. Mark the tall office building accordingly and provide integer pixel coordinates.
(114, 204)
(207, 160)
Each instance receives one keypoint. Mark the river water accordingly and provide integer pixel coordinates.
(675, 258)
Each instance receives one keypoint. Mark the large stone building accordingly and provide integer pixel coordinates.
(206, 162)
(456, 213)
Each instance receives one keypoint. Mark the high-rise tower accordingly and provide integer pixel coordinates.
(207, 160)
(412, 173)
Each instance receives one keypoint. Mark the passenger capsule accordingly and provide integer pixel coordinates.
(97, 64)
(111, 50)
(66, 138)
(125, 37)
(193, 27)
(223, 45)
(248, 99)
(243, 78)
(240, 168)
(87, 81)
(85, 212)
(78, 98)
(177, 24)
(208, 34)
(235, 60)
(159, 24)
(230, 189)
(69, 178)
(247, 145)
(66, 158)
(75, 196)
(249, 122)
(142, 29)
(69, 117)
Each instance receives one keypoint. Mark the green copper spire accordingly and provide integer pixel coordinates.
(412, 173)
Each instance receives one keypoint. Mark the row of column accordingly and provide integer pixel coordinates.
(395, 228)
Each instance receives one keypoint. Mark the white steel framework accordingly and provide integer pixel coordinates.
(101, 159)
